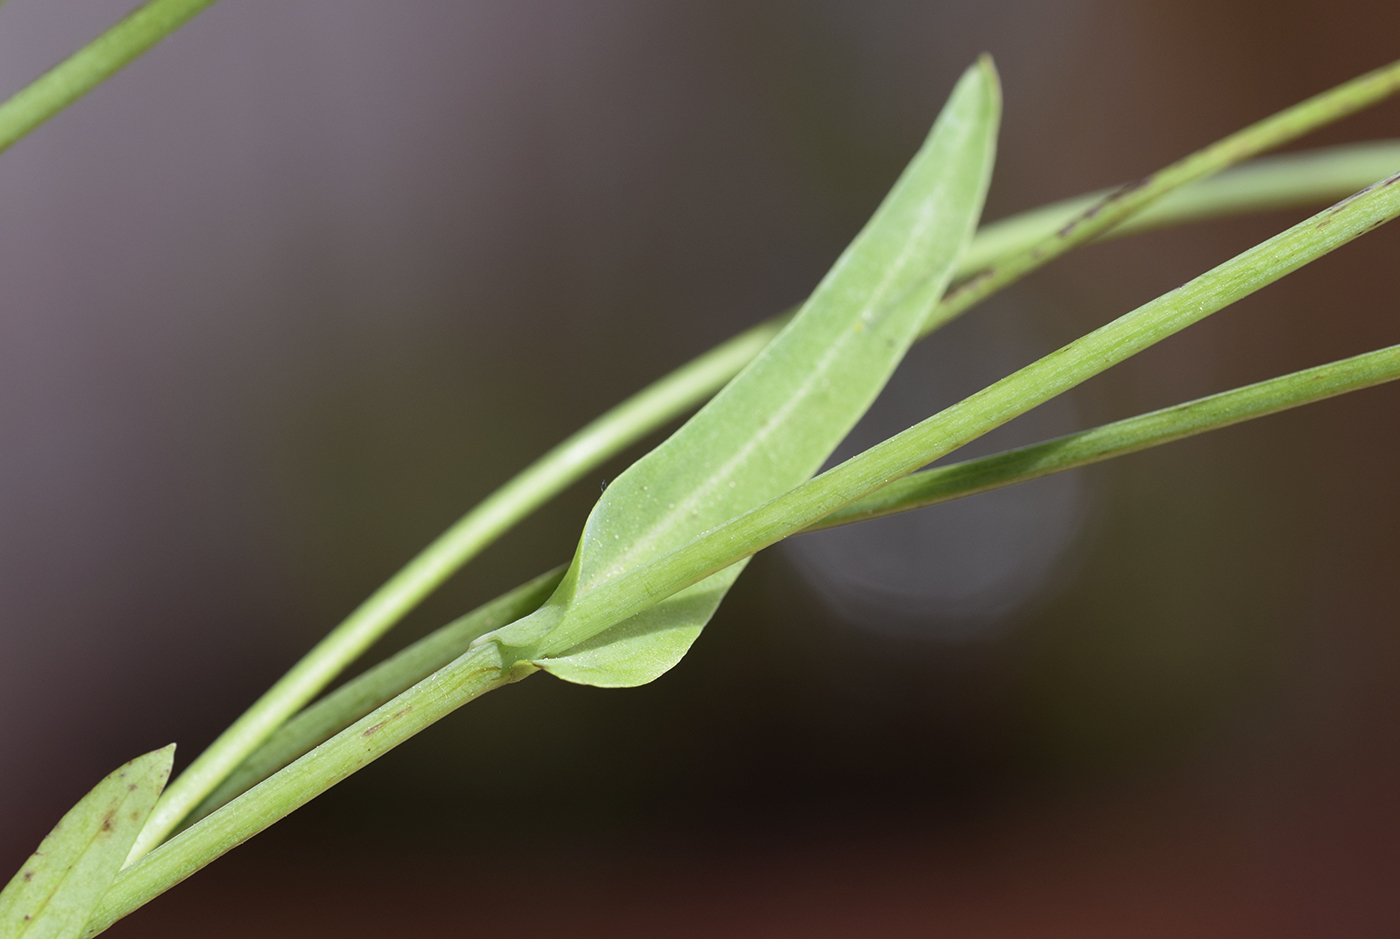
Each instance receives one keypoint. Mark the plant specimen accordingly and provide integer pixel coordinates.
(670, 535)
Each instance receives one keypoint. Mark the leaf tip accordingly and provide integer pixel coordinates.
(986, 66)
(158, 762)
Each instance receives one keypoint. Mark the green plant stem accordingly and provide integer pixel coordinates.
(1272, 132)
(91, 65)
(639, 588)
(1291, 180)
(1265, 184)
(645, 412)
(487, 666)
(369, 738)
(377, 685)
(398, 673)
(544, 479)
(957, 480)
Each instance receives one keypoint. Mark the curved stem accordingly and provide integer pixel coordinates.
(369, 738)
(651, 408)
(645, 585)
(544, 479)
(377, 685)
(398, 673)
(488, 666)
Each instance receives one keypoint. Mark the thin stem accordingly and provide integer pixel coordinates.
(639, 415)
(647, 584)
(87, 68)
(1272, 132)
(487, 665)
(369, 738)
(1292, 180)
(398, 673)
(958, 480)
(375, 686)
(544, 479)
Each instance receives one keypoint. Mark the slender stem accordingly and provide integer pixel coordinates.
(957, 480)
(1292, 180)
(1118, 205)
(543, 480)
(665, 399)
(487, 665)
(648, 584)
(369, 738)
(371, 688)
(91, 65)
(398, 673)
(943, 484)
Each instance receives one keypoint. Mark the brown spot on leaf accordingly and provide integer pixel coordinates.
(107, 821)
(372, 730)
(28, 875)
(131, 787)
(135, 816)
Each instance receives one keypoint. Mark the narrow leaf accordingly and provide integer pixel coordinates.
(60, 885)
(774, 424)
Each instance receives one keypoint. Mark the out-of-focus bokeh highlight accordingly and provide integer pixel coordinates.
(297, 288)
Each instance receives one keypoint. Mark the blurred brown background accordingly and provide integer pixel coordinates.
(297, 288)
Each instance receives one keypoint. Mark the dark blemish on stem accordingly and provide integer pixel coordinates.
(402, 713)
(1374, 187)
(1378, 184)
(1116, 195)
(28, 875)
(1126, 188)
(131, 787)
(987, 273)
(135, 816)
(371, 731)
(107, 821)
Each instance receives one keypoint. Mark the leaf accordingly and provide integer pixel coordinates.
(778, 420)
(643, 647)
(60, 885)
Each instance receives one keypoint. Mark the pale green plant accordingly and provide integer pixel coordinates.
(670, 535)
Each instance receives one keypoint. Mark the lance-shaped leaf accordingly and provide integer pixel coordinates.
(60, 885)
(774, 424)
